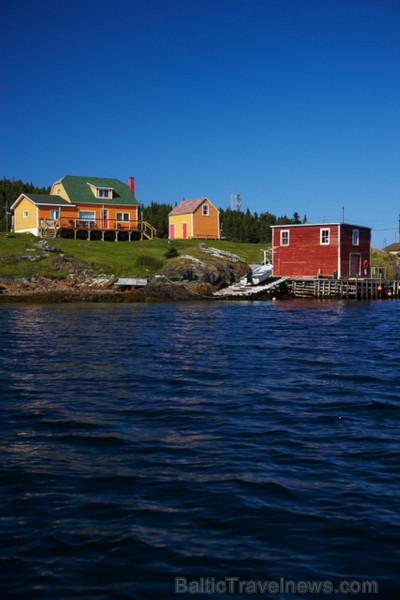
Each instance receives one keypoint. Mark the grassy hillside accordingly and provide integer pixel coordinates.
(20, 256)
(140, 258)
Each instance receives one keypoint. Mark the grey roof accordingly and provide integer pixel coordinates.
(46, 200)
(187, 206)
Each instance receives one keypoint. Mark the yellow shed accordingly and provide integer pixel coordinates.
(194, 219)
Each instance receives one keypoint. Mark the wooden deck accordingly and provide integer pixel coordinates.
(97, 229)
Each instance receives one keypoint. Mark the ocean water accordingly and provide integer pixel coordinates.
(200, 449)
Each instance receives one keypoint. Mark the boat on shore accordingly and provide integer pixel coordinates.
(257, 275)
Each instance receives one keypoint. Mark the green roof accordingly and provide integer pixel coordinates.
(78, 190)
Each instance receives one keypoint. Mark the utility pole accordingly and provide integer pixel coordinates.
(6, 216)
(399, 227)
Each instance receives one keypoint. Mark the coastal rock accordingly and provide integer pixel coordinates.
(44, 245)
(216, 272)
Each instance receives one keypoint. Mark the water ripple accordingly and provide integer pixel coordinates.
(144, 442)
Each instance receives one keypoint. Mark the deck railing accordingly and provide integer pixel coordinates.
(75, 224)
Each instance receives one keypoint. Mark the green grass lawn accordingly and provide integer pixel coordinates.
(140, 258)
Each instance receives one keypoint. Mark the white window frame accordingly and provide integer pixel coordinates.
(206, 210)
(285, 237)
(123, 217)
(355, 237)
(105, 193)
(86, 217)
(54, 213)
(58, 191)
(25, 214)
(325, 236)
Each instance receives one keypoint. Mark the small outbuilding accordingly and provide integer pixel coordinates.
(393, 249)
(194, 219)
(327, 250)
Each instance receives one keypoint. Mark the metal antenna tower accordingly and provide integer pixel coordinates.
(236, 202)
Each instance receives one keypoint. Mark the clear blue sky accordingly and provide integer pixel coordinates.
(294, 104)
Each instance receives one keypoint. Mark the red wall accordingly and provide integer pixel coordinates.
(305, 256)
(347, 248)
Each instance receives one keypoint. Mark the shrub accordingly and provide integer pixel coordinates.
(172, 252)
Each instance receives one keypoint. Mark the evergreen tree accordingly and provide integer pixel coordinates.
(157, 215)
(10, 190)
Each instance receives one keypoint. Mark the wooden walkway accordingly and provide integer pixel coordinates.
(245, 291)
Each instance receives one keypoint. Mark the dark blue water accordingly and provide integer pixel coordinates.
(144, 443)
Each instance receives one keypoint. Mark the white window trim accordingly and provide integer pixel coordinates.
(123, 215)
(54, 213)
(88, 219)
(108, 193)
(321, 235)
(25, 214)
(355, 242)
(285, 231)
(206, 210)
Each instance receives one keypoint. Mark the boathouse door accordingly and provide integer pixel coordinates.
(355, 265)
(105, 218)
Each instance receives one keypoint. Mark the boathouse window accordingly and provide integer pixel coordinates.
(325, 237)
(356, 237)
(122, 216)
(285, 237)
(206, 210)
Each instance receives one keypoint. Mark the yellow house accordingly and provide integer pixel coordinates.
(197, 218)
(81, 203)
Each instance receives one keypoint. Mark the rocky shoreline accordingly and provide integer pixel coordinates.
(181, 278)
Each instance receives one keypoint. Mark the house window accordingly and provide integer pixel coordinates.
(356, 237)
(122, 216)
(87, 218)
(26, 213)
(285, 237)
(206, 210)
(58, 191)
(54, 214)
(325, 237)
(104, 193)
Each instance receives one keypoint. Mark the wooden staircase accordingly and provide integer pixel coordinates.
(147, 230)
(49, 233)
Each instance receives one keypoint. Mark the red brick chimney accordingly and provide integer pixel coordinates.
(131, 183)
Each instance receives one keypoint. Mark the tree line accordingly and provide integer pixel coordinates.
(236, 225)
(10, 190)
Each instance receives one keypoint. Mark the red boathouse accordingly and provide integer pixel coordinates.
(327, 250)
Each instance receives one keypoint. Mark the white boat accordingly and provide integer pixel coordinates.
(257, 275)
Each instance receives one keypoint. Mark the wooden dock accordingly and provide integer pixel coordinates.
(351, 288)
(355, 288)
